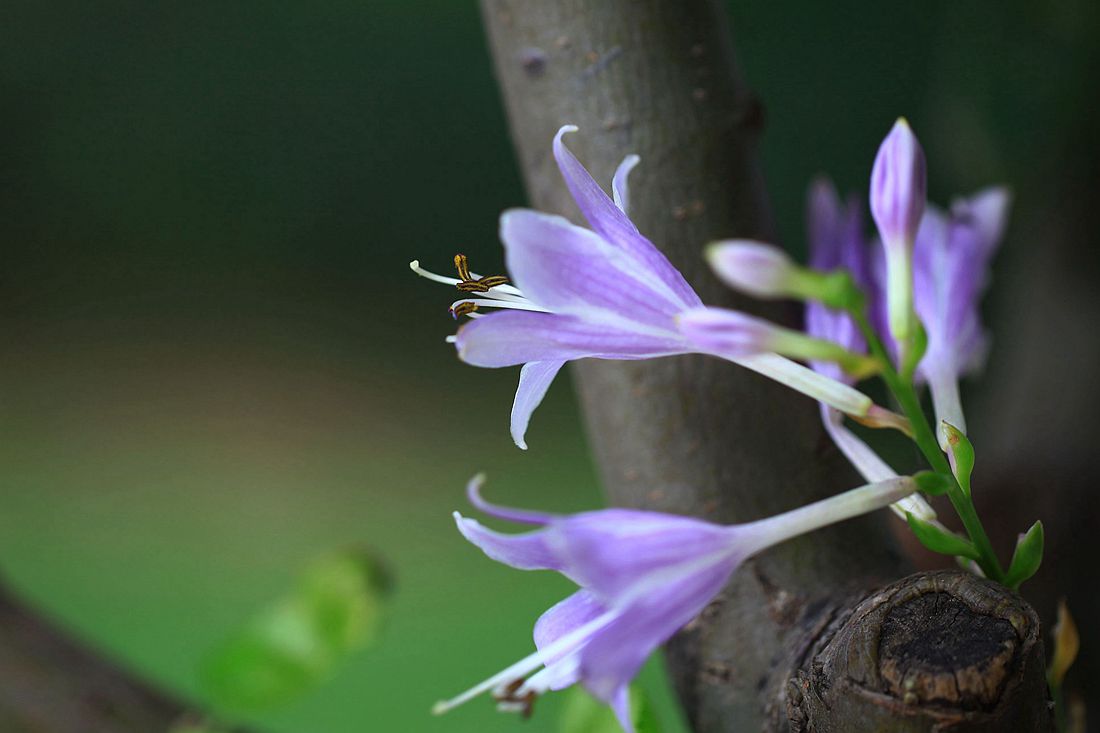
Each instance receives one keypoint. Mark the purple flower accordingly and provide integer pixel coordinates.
(951, 262)
(835, 233)
(604, 293)
(836, 240)
(642, 576)
(756, 268)
(898, 194)
(899, 186)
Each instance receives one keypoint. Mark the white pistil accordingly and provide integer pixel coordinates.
(528, 664)
(415, 267)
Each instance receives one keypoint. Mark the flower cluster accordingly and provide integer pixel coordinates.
(903, 308)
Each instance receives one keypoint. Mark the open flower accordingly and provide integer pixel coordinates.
(642, 576)
(605, 293)
(951, 261)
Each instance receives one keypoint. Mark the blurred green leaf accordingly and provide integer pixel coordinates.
(336, 608)
(940, 540)
(962, 454)
(583, 713)
(1027, 558)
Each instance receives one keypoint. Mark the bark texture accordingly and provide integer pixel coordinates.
(932, 652)
(53, 684)
(688, 434)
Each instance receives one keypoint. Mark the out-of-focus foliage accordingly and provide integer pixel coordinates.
(192, 726)
(336, 608)
(582, 713)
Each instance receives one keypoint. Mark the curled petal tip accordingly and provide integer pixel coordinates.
(473, 488)
(563, 130)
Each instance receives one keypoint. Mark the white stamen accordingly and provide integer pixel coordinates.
(505, 292)
(528, 664)
(537, 683)
(500, 289)
(493, 303)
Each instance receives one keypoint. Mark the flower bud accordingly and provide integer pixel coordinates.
(898, 186)
(898, 194)
(755, 268)
(765, 271)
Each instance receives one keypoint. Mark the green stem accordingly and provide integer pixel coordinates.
(929, 446)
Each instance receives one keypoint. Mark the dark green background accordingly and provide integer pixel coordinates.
(215, 364)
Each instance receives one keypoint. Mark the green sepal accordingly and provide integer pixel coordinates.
(962, 451)
(1027, 558)
(940, 540)
(932, 483)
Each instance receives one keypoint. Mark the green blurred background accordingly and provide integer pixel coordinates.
(215, 364)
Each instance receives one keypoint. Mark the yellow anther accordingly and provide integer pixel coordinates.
(491, 281)
(463, 268)
(469, 284)
(464, 308)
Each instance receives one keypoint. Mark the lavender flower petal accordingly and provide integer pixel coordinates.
(563, 668)
(609, 221)
(608, 551)
(510, 514)
(988, 211)
(620, 705)
(568, 269)
(619, 188)
(517, 337)
(534, 379)
(528, 551)
(615, 654)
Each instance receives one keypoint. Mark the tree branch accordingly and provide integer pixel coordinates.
(50, 683)
(689, 434)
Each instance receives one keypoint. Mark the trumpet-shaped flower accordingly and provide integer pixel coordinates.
(951, 261)
(642, 576)
(605, 293)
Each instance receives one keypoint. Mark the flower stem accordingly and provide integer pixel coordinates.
(925, 439)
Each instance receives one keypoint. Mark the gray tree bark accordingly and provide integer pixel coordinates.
(689, 434)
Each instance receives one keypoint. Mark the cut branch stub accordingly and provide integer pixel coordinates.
(932, 652)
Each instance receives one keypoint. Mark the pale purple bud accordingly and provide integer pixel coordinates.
(759, 269)
(899, 186)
